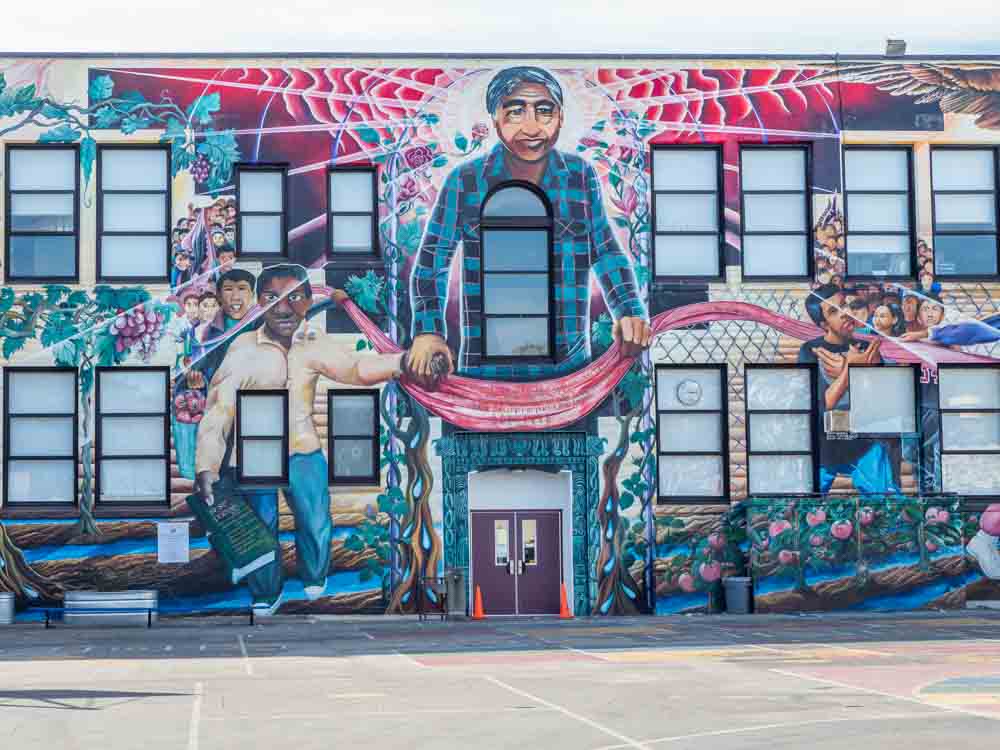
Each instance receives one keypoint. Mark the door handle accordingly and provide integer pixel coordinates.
(510, 567)
(520, 567)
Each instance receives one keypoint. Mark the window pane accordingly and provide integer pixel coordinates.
(686, 169)
(692, 255)
(687, 213)
(690, 476)
(973, 212)
(878, 255)
(778, 388)
(353, 458)
(969, 388)
(41, 481)
(142, 479)
(514, 201)
(41, 213)
(505, 250)
(962, 169)
(516, 294)
(351, 191)
(263, 458)
(141, 257)
(690, 433)
(883, 399)
(970, 431)
(133, 169)
(260, 191)
(135, 213)
(775, 255)
(878, 213)
(42, 392)
(965, 254)
(262, 416)
(133, 391)
(775, 213)
(41, 436)
(780, 474)
(517, 337)
(352, 234)
(776, 169)
(261, 234)
(42, 256)
(132, 436)
(780, 432)
(353, 415)
(688, 388)
(42, 169)
(870, 169)
(971, 474)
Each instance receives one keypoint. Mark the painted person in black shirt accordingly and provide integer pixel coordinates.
(871, 464)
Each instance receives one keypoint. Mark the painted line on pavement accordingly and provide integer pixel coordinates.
(246, 657)
(194, 726)
(410, 659)
(628, 741)
(590, 654)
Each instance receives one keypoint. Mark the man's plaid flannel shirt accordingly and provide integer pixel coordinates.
(582, 242)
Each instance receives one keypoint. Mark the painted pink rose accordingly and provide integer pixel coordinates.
(626, 153)
(777, 527)
(842, 530)
(686, 582)
(866, 516)
(588, 142)
(418, 156)
(815, 517)
(710, 571)
(816, 540)
(409, 188)
(628, 202)
(787, 557)
(480, 130)
(717, 540)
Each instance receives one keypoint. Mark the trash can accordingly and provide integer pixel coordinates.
(739, 595)
(458, 595)
(6, 608)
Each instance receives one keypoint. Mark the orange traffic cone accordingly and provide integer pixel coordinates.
(477, 609)
(564, 613)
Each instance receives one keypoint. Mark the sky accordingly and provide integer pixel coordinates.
(512, 26)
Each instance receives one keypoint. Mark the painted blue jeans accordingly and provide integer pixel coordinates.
(871, 474)
(309, 498)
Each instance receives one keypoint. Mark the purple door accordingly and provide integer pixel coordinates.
(493, 562)
(539, 561)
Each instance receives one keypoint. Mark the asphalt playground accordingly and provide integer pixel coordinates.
(719, 682)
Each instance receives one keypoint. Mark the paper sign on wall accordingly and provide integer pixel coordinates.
(173, 542)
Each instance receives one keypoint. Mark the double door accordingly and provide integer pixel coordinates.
(517, 561)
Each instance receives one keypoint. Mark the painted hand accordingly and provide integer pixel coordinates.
(428, 360)
(634, 334)
(203, 484)
(832, 364)
(195, 379)
(340, 296)
(915, 335)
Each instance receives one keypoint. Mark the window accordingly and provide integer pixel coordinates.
(969, 400)
(965, 211)
(133, 441)
(878, 195)
(40, 435)
(133, 209)
(517, 241)
(687, 212)
(353, 436)
(262, 437)
(260, 195)
(775, 212)
(691, 432)
(43, 193)
(883, 400)
(352, 222)
(780, 423)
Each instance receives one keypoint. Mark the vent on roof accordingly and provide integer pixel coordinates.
(895, 47)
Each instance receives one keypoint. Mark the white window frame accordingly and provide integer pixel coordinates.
(241, 403)
(909, 371)
(942, 411)
(333, 211)
(373, 478)
(282, 213)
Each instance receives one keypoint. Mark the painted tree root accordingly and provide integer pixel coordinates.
(19, 578)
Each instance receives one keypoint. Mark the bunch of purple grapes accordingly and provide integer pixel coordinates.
(139, 329)
(200, 169)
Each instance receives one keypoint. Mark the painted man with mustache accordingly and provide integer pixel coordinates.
(526, 104)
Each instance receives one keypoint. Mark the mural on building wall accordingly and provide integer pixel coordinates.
(443, 139)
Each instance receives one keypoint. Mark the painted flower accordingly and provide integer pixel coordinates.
(418, 156)
(626, 154)
(479, 131)
(409, 188)
(628, 202)
(588, 142)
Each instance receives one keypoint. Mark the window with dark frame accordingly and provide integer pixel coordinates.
(687, 211)
(42, 215)
(353, 211)
(883, 399)
(969, 403)
(262, 436)
(133, 435)
(964, 188)
(517, 274)
(780, 420)
(41, 412)
(692, 433)
(878, 198)
(353, 436)
(775, 211)
(133, 209)
(261, 204)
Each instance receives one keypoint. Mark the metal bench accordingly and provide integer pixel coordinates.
(134, 608)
